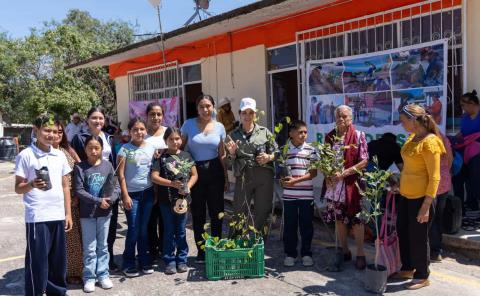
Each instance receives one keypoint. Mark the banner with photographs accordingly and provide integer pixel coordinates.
(377, 86)
(170, 107)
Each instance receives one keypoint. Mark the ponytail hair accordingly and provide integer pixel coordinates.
(422, 118)
(471, 97)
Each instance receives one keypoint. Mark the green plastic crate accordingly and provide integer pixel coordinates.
(234, 264)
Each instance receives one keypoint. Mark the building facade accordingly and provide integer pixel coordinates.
(261, 51)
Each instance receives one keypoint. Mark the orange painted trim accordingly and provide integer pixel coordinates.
(283, 30)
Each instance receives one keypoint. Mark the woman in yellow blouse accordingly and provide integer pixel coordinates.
(418, 187)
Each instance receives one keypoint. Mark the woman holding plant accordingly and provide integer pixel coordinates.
(252, 149)
(341, 190)
(204, 138)
(419, 182)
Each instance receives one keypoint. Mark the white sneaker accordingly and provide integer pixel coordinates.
(289, 261)
(106, 283)
(89, 287)
(307, 261)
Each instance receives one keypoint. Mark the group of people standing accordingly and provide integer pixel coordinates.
(91, 175)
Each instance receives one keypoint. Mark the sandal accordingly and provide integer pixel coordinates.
(418, 284)
(361, 263)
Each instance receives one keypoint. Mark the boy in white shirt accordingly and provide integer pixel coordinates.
(47, 210)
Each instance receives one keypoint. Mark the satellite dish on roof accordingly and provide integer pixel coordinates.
(155, 3)
(201, 6)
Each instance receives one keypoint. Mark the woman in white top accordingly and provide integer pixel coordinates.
(155, 131)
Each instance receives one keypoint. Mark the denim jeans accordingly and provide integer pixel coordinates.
(174, 236)
(137, 233)
(95, 249)
(298, 214)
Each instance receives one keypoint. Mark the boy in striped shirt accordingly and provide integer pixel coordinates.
(298, 195)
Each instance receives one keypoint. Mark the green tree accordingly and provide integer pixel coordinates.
(33, 78)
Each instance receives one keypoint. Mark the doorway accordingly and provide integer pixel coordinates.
(284, 100)
(192, 92)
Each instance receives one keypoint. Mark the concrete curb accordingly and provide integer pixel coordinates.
(465, 242)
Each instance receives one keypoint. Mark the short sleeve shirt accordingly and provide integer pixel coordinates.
(162, 165)
(200, 145)
(42, 206)
(469, 126)
(299, 159)
(157, 141)
(138, 161)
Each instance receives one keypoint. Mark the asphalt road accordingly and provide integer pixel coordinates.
(455, 275)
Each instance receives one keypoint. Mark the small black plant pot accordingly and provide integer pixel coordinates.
(376, 278)
(285, 171)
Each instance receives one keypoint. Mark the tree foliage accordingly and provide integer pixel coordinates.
(33, 78)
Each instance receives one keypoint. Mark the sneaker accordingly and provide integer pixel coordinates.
(200, 259)
(148, 269)
(171, 269)
(106, 283)
(307, 261)
(182, 267)
(89, 286)
(131, 272)
(155, 263)
(289, 261)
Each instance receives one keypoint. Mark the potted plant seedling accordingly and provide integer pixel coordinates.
(374, 184)
(239, 255)
(330, 162)
(181, 170)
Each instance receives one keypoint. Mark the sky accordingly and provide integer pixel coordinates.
(18, 16)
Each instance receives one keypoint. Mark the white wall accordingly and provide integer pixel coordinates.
(121, 87)
(249, 77)
(1, 125)
(473, 45)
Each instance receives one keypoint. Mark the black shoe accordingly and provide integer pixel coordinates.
(182, 267)
(347, 256)
(113, 266)
(155, 263)
(131, 272)
(147, 269)
(200, 258)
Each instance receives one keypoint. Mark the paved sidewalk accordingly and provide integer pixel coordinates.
(456, 273)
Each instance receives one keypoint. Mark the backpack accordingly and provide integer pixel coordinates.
(452, 215)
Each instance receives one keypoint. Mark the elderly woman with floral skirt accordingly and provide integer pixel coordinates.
(341, 189)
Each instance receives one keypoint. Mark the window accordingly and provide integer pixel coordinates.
(374, 39)
(282, 57)
(446, 23)
(155, 84)
(192, 73)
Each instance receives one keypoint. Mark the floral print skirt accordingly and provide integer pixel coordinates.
(337, 211)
